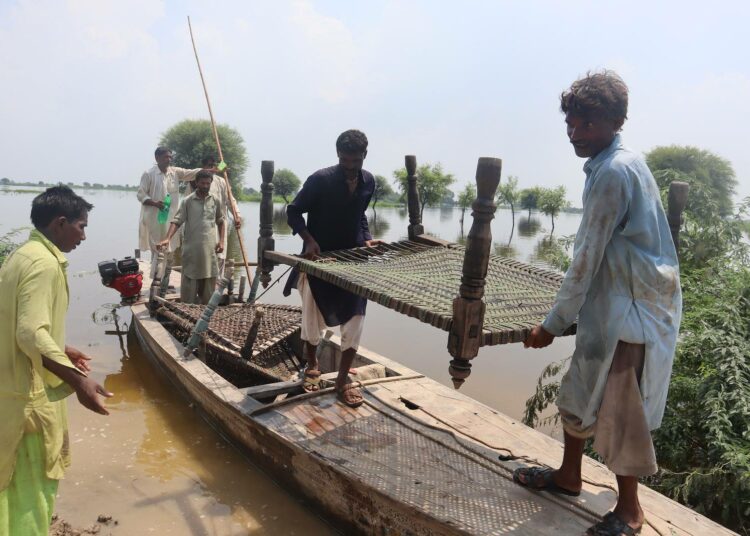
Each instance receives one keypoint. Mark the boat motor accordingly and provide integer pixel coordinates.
(124, 276)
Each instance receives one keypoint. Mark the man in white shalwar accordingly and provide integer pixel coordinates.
(623, 286)
(156, 183)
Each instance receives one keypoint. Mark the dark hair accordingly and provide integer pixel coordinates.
(208, 158)
(57, 201)
(599, 94)
(204, 174)
(161, 150)
(351, 142)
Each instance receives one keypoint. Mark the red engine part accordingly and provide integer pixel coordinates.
(128, 285)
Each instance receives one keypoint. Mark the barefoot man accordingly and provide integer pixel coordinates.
(623, 286)
(37, 369)
(335, 200)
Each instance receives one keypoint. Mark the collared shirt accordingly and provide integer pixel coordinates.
(624, 271)
(220, 190)
(34, 287)
(200, 218)
(155, 185)
(337, 219)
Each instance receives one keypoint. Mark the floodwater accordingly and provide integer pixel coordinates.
(153, 464)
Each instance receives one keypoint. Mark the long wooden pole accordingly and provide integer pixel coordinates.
(232, 204)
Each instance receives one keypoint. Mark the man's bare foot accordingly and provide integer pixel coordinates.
(311, 380)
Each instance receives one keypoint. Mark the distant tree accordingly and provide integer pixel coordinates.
(508, 193)
(41, 183)
(192, 140)
(382, 190)
(432, 184)
(702, 169)
(5, 180)
(466, 198)
(97, 186)
(529, 198)
(86, 184)
(285, 184)
(551, 202)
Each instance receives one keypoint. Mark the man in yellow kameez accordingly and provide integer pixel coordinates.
(37, 369)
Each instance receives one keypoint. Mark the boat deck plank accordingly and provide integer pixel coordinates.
(401, 459)
(443, 459)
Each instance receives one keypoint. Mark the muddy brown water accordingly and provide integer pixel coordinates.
(154, 465)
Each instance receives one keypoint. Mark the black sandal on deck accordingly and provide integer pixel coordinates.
(611, 525)
(531, 480)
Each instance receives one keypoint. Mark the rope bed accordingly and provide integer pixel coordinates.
(273, 358)
(421, 281)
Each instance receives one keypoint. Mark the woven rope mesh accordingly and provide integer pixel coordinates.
(273, 359)
(421, 281)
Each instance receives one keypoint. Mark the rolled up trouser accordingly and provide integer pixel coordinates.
(621, 434)
(313, 323)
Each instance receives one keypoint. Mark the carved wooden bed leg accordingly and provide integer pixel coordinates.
(676, 201)
(412, 197)
(265, 240)
(465, 336)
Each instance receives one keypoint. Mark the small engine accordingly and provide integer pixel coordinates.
(124, 276)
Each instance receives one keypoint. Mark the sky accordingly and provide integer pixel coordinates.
(88, 86)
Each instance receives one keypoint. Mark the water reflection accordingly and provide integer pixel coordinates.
(553, 252)
(280, 226)
(529, 227)
(446, 213)
(379, 226)
(506, 250)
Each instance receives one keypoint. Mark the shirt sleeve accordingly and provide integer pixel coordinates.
(606, 207)
(181, 214)
(219, 211)
(35, 302)
(183, 174)
(144, 188)
(363, 222)
(302, 203)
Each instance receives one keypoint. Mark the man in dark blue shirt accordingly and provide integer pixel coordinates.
(335, 200)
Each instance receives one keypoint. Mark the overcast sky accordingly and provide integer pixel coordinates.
(88, 86)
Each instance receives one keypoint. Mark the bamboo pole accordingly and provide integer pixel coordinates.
(232, 204)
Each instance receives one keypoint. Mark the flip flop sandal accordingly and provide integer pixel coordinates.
(611, 525)
(531, 479)
(311, 381)
(348, 397)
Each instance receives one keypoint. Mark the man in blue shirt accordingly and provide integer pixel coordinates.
(335, 200)
(623, 286)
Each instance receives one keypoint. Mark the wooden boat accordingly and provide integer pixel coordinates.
(417, 458)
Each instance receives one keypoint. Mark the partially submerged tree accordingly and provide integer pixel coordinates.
(432, 184)
(529, 198)
(382, 190)
(508, 192)
(285, 184)
(551, 202)
(465, 199)
(192, 139)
